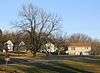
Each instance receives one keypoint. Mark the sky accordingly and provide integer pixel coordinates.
(78, 16)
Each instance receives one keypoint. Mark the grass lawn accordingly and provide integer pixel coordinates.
(51, 67)
(60, 65)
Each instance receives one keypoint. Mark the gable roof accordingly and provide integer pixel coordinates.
(79, 44)
(21, 43)
(9, 42)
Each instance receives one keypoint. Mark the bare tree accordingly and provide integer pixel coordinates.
(95, 47)
(1, 39)
(38, 24)
(79, 37)
(0, 36)
(0, 32)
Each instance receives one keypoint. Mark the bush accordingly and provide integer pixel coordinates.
(2, 59)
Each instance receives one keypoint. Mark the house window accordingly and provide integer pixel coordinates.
(72, 48)
(48, 47)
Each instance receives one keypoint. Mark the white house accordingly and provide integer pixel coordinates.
(22, 47)
(50, 47)
(9, 45)
(79, 49)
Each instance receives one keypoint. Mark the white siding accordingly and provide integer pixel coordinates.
(9, 46)
(84, 50)
(50, 47)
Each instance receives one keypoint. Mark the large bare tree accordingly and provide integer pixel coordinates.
(39, 24)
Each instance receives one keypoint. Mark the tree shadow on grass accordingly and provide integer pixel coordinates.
(27, 69)
(85, 60)
(56, 67)
(17, 61)
(67, 66)
(50, 67)
(33, 69)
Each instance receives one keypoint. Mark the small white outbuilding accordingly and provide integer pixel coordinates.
(9, 45)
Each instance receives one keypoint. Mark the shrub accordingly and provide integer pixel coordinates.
(2, 59)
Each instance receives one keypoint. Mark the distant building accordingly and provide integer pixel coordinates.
(50, 47)
(22, 47)
(79, 49)
(21, 43)
(9, 45)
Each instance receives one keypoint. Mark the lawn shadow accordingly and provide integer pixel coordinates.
(86, 59)
(55, 67)
(50, 67)
(17, 61)
(27, 69)
(67, 66)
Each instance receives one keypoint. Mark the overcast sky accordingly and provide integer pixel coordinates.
(79, 16)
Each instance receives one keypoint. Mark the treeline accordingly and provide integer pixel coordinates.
(61, 42)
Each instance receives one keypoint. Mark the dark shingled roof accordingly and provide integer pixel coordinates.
(79, 44)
